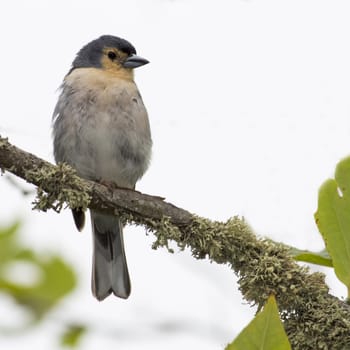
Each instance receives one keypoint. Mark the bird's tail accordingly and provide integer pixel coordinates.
(109, 268)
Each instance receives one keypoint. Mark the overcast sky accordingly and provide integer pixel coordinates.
(249, 103)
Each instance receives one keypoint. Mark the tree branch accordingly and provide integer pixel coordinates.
(50, 178)
(313, 318)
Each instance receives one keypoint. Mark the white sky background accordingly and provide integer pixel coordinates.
(249, 103)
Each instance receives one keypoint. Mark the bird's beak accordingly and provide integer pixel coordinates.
(134, 61)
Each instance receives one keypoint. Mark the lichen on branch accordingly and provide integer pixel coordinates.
(313, 318)
(63, 188)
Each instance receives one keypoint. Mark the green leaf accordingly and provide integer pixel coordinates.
(72, 335)
(333, 219)
(57, 279)
(8, 242)
(319, 258)
(39, 295)
(264, 332)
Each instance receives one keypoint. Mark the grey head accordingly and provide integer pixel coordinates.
(91, 54)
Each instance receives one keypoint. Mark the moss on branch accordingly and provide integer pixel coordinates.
(313, 318)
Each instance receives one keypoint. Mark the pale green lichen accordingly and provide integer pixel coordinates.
(313, 319)
(59, 187)
(4, 141)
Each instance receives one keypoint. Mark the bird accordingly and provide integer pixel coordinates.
(101, 129)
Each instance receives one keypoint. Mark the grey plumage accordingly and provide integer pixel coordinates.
(101, 129)
(109, 268)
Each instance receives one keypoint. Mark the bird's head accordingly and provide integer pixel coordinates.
(110, 53)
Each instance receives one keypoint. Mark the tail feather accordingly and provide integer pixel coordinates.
(109, 269)
(79, 218)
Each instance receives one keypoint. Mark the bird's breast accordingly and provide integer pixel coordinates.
(107, 125)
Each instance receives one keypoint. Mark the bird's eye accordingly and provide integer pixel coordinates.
(112, 55)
